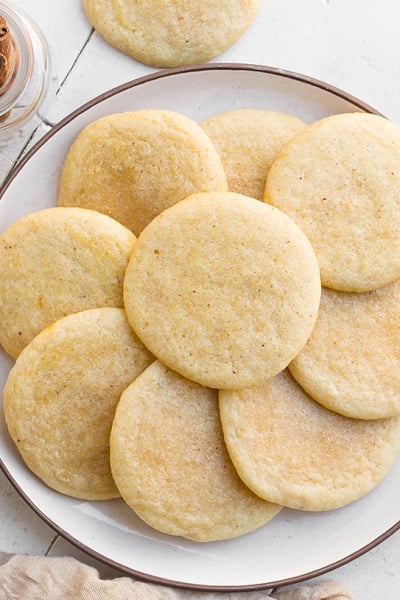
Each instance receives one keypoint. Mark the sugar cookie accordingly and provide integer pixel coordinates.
(248, 140)
(133, 165)
(55, 262)
(166, 33)
(223, 288)
(339, 180)
(170, 464)
(351, 362)
(290, 450)
(60, 397)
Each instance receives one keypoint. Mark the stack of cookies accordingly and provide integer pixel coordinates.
(207, 323)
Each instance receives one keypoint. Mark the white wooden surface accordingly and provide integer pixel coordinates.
(352, 44)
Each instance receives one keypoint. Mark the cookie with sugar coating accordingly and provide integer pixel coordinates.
(166, 33)
(133, 165)
(290, 450)
(248, 141)
(60, 397)
(223, 288)
(351, 362)
(170, 464)
(54, 262)
(339, 180)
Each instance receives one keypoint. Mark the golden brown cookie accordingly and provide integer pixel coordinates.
(166, 33)
(339, 180)
(60, 397)
(170, 464)
(290, 450)
(248, 140)
(55, 262)
(351, 362)
(133, 165)
(222, 288)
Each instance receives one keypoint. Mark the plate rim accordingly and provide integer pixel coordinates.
(171, 72)
(157, 75)
(164, 581)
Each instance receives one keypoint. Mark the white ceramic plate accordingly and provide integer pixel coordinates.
(295, 545)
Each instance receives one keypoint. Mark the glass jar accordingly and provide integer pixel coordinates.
(28, 78)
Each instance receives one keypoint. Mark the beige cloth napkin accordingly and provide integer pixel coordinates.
(45, 578)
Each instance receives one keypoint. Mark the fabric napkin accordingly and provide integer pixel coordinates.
(50, 578)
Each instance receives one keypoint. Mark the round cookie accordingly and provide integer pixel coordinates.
(290, 450)
(133, 165)
(60, 397)
(170, 464)
(248, 140)
(351, 362)
(339, 180)
(55, 262)
(165, 33)
(223, 289)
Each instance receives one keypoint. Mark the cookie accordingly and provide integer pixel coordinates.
(133, 165)
(60, 397)
(223, 289)
(339, 180)
(55, 262)
(290, 450)
(169, 33)
(248, 140)
(170, 464)
(351, 362)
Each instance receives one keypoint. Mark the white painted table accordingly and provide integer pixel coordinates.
(351, 44)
